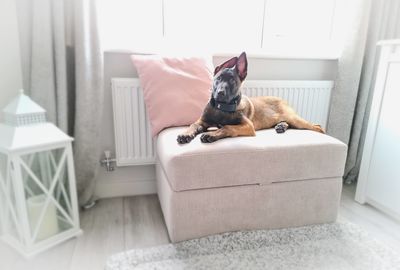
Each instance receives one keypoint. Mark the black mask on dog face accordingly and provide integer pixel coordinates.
(226, 85)
(228, 78)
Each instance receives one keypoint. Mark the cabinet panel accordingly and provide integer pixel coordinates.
(384, 173)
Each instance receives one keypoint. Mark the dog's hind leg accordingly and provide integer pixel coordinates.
(281, 127)
(299, 123)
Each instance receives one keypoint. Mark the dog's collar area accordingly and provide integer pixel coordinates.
(226, 107)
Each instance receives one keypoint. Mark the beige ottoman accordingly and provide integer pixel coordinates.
(263, 182)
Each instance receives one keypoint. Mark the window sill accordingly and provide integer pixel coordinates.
(278, 51)
(322, 55)
(327, 55)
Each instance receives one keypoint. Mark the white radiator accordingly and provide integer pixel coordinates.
(310, 99)
(133, 142)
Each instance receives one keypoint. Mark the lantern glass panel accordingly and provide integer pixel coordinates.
(9, 211)
(47, 193)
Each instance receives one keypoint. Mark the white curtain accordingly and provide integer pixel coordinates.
(63, 72)
(351, 33)
(384, 24)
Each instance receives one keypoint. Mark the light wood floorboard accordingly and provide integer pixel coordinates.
(144, 222)
(378, 224)
(103, 228)
(119, 224)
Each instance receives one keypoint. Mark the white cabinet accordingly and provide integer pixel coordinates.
(379, 178)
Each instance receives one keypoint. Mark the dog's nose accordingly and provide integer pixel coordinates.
(220, 93)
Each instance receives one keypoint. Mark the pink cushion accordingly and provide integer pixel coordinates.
(176, 90)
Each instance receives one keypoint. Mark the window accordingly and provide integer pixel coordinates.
(216, 25)
(131, 24)
(294, 19)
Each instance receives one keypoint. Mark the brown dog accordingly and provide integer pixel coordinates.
(237, 115)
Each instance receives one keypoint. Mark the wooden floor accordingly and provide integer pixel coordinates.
(120, 224)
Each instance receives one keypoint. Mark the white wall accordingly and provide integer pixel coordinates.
(135, 180)
(10, 62)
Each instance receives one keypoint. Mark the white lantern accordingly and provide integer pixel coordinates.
(38, 200)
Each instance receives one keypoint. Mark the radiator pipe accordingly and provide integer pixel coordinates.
(107, 162)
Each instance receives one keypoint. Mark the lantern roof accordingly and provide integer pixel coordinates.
(31, 137)
(22, 104)
(23, 111)
(26, 128)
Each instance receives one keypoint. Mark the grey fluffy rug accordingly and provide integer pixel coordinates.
(329, 246)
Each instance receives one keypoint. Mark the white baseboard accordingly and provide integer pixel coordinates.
(125, 188)
(395, 215)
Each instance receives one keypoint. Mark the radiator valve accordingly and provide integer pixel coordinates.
(107, 162)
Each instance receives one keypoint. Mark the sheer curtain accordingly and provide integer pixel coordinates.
(63, 72)
(350, 33)
(384, 24)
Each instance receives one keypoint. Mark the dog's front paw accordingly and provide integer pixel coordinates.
(185, 138)
(208, 138)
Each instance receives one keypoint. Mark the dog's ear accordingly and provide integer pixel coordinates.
(241, 66)
(228, 64)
